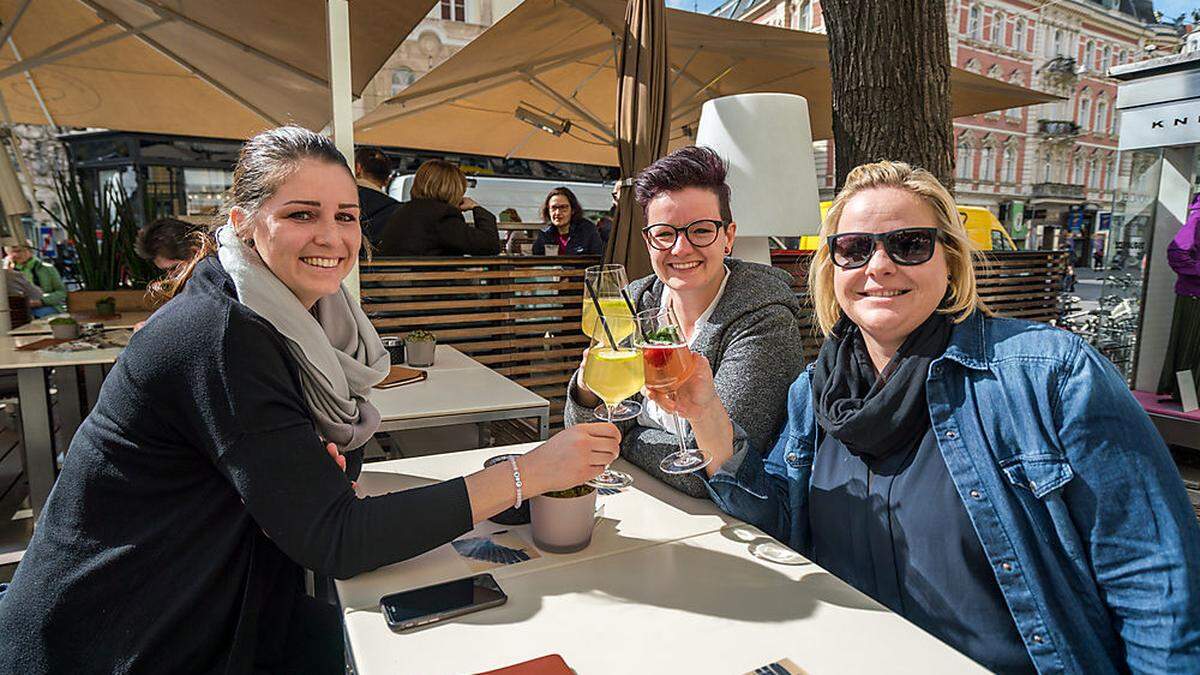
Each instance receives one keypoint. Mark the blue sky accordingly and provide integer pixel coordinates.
(704, 6)
(1173, 8)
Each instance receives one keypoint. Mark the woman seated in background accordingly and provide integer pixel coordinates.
(566, 226)
(202, 484)
(432, 222)
(992, 480)
(741, 316)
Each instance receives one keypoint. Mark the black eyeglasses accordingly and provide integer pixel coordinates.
(699, 233)
(908, 246)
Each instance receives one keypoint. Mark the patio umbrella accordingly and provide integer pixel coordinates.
(542, 83)
(643, 122)
(222, 68)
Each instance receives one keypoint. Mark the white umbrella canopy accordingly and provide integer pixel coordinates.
(223, 68)
(556, 59)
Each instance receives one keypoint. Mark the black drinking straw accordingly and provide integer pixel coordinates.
(599, 313)
(628, 302)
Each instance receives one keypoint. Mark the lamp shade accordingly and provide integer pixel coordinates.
(767, 142)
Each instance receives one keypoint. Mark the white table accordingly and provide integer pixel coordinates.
(41, 326)
(458, 390)
(667, 585)
(37, 424)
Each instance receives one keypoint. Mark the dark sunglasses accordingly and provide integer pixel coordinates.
(699, 233)
(908, 246)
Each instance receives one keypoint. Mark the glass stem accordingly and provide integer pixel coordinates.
(609, 408)
(679, 431)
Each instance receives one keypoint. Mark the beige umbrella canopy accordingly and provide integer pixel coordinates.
(224, 68)
(552, 62)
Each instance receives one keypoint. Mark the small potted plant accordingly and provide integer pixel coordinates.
(562, 521)
(64, 328)
(106, 306)
(419, 347)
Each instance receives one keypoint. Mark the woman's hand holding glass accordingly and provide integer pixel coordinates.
(695, 399)
(571, 457)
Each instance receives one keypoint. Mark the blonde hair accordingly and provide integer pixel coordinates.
(956, 243)
(440, 180)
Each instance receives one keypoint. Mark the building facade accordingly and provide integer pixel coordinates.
(449, 26)
(1051, 171)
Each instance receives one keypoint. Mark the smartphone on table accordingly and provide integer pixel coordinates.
(422, 606)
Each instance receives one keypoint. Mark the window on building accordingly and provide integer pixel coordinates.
(1077, 171)
(1008, 170)
(1122, 57)
(1110, 174)
(1085, 109)
(1019, 35)
(806, 15)
(1047, 169)
(1054, 46)
(963, 164)
(987, 164)
(401, 78)
(1101, 124)
(1106, 60)
(975, 22)
(1093, 179)
(454, 10)
(998, 26)
(1088, 52)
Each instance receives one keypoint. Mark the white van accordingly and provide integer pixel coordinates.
(523, 194)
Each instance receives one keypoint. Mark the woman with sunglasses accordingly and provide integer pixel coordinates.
(992, 480)
(739, 316)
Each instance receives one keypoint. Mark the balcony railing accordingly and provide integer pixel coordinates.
(1057, 190)
(1057, 129)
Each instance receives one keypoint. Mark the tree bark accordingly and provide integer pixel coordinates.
(891, 84)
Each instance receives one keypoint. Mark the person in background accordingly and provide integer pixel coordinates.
(566, 227)
(604, 226)
(372, 170)
(740, 317)
(992, 480)
(514, 239)
(168, 242)
(221, 428)
(41, 274)
(432, 222)
(1183, 347)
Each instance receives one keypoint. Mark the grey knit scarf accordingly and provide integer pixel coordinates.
(338, 351)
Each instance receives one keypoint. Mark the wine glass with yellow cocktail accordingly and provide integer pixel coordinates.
(608, 284)
(613, 371)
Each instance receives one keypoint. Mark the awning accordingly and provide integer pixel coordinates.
(551, 62)
(225, 68)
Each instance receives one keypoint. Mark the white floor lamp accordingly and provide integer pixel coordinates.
(767, 142)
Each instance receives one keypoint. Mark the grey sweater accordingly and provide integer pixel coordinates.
(752, 340)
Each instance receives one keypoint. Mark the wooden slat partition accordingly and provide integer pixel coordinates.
(1019, 284)
(520, 315)
(517, 315)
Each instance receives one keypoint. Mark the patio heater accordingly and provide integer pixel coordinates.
(766, 140)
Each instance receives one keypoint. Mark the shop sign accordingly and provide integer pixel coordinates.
(1161, 125)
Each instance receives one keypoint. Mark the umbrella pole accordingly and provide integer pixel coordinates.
(341, 98)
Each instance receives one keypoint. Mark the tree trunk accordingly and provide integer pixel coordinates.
(891, 84)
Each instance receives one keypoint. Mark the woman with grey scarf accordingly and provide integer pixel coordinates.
(740, 318)
(202, 483)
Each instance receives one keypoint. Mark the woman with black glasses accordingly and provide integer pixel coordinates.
(992, 480)
(740, 316)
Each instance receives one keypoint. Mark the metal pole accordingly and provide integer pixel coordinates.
(341, 95)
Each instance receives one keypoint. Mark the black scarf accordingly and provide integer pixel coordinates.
(876, 416)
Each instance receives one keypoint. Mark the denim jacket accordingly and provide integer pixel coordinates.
(1074, 496)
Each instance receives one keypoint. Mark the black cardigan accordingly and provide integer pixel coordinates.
(430, 227)
(189, 499)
